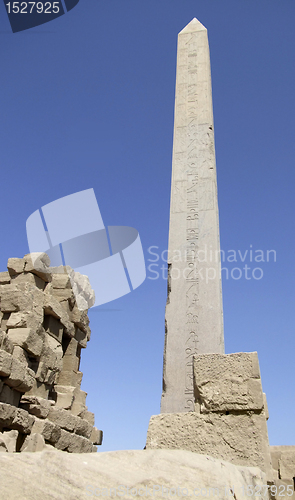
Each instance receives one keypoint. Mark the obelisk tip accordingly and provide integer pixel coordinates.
(193, 26)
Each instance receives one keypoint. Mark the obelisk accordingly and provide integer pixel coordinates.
(194, 317)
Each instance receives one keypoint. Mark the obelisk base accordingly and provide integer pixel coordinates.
(229, 421)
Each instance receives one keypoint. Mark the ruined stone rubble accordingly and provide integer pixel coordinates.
(43, 329)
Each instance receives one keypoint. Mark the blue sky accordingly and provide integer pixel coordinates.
(87, 101)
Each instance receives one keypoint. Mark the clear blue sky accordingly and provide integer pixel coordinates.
(87, 101)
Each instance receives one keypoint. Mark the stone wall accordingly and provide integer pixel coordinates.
(43, 328)
(229, 421)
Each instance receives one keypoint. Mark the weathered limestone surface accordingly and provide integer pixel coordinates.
(42, 332)
(225, 382)
(235, 438)
(153, 473)
(194, 318)
(228, 421)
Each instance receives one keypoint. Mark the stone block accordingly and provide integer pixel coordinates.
(67, 378)
(3, 447)
(20, 378)
(17, 373)
(275, 456)
(89, 416)
(285, 489)
(10, 438)
(59, 269)
(79, 379)
(22, 297)
(96, 436)
(50, 431)
(83, 428)
(32, 443)
(25, 320)
(62, 295)
(5, 344)
(7, 414)
(225, 382)
(73, 443)
(79, 405)
(52, 307)
(52, 353)
(15, 266)
(66, 439)
(2, 334)
(287, 465)
(80, 319)
(36, 406)
(61, 281)
(5, 363)
(80, 396)
(38, 264)
(64, 396)
(238, 438)
(87, 446)
(64, 400)
(4, 278)
(3, 321)
(265, 406)
(88, 333)
(82, 289)
(21, 355)
(51, 377)
(28, 339)
(81, 337)
(9, 396)
(53, 326)
(72, 348)
(276, 453)
(10, 298)
(22, 421)
(78, 408)
(29, 278)
(79, 444)
(63, 418)
(71, 363)
(39, 389)
(41, 372)
(17, 320)
(66, 306)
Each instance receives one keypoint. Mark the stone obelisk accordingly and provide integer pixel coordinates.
(194, 317)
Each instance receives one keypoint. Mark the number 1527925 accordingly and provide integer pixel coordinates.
(30, 7)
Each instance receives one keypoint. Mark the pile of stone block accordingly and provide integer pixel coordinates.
(229, 421)
(43, 327)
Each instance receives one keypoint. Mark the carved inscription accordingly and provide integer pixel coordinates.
(179, 196)
(192, 220)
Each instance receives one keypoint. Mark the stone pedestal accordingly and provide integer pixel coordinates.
(229, 421)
